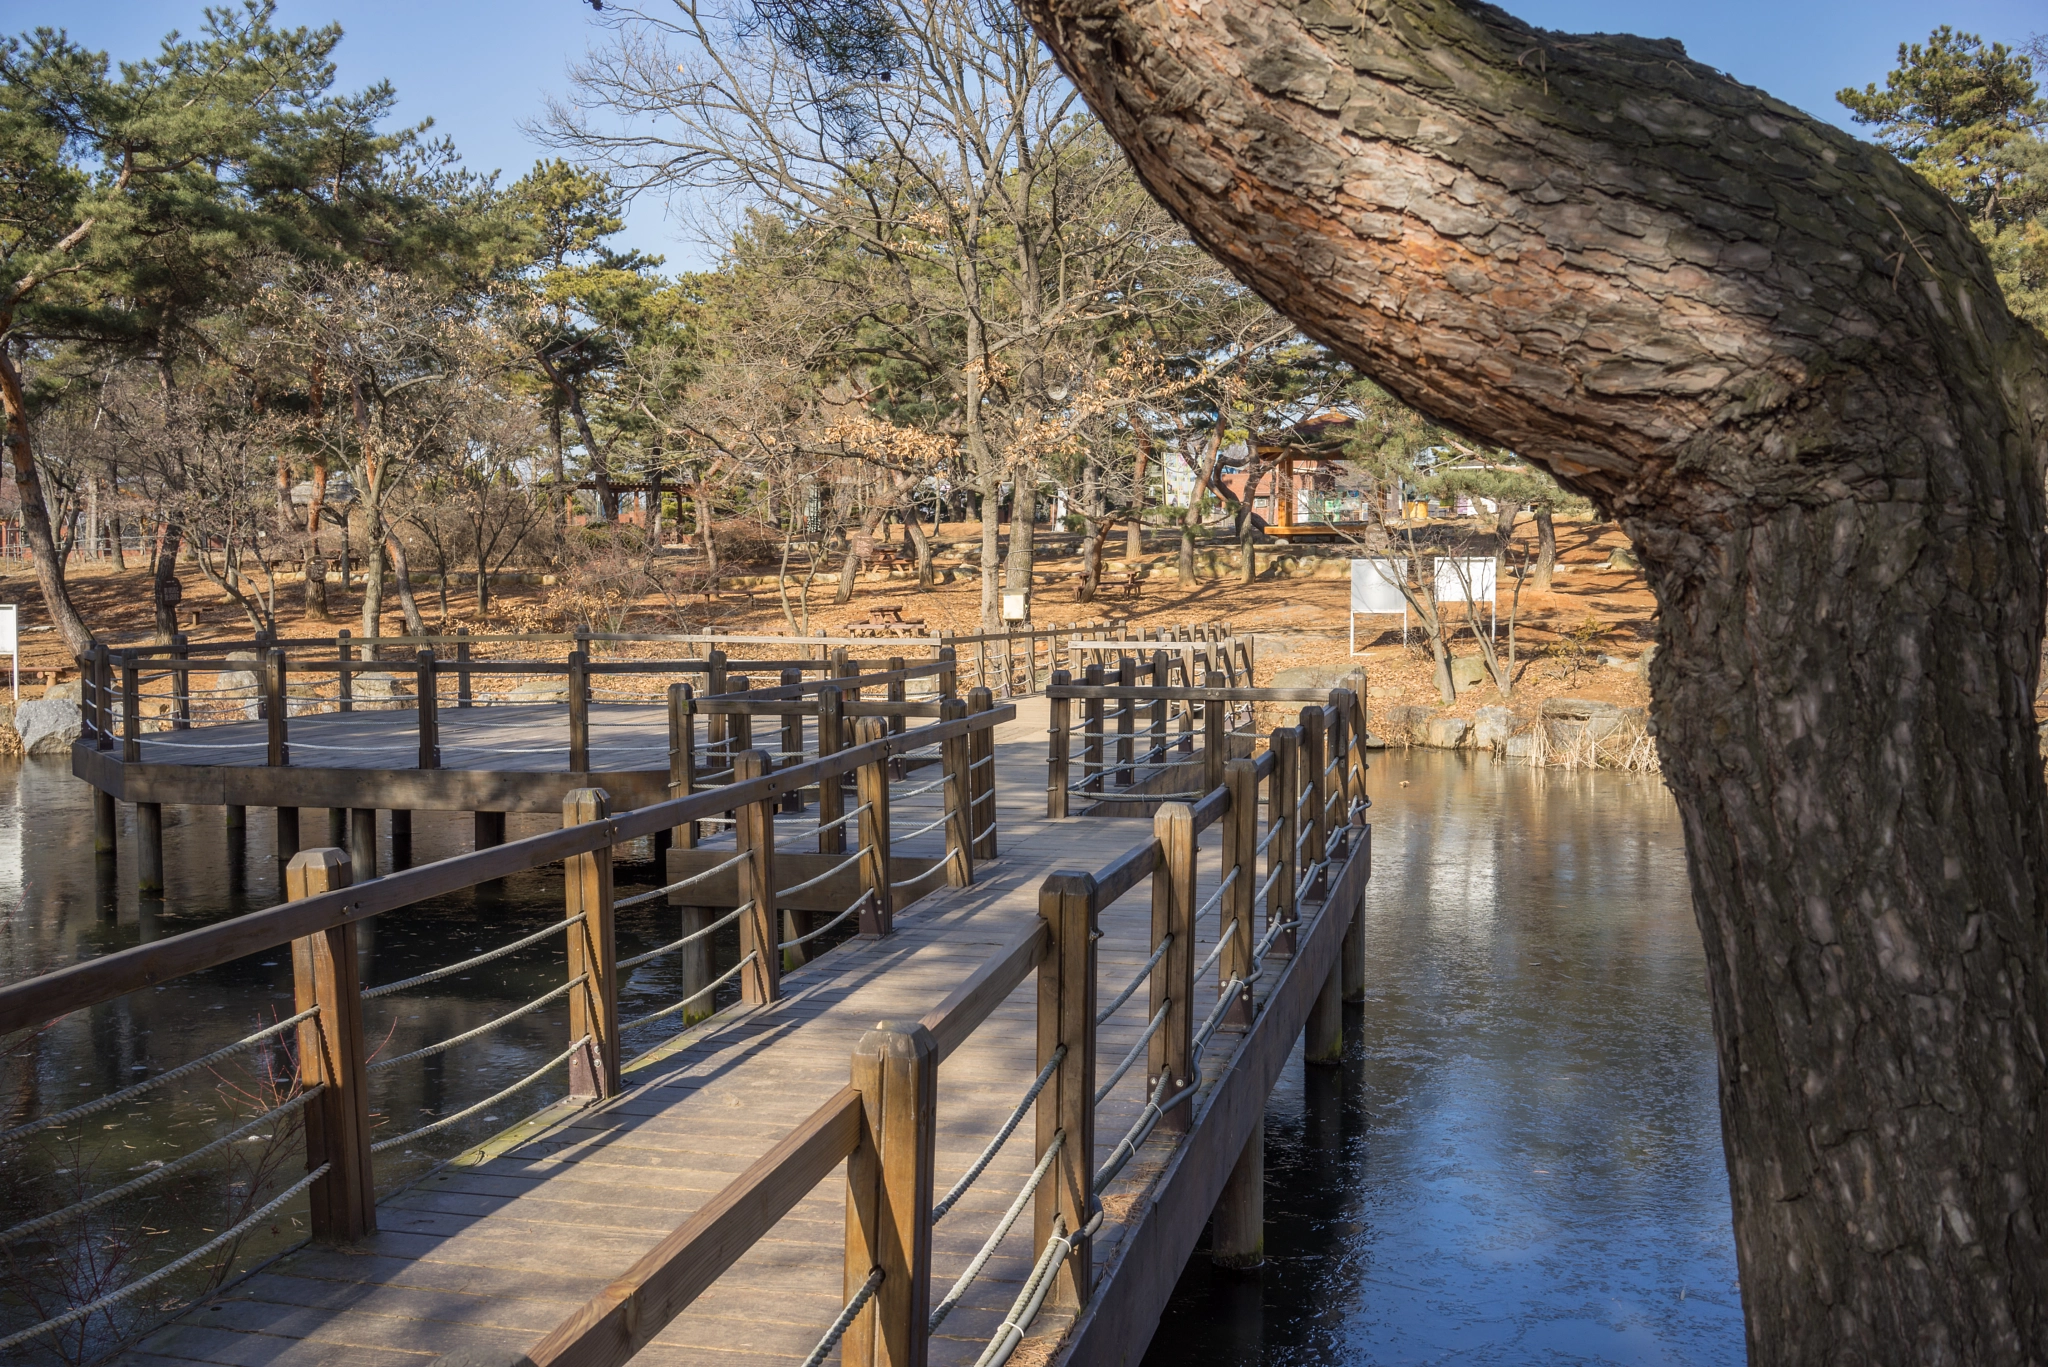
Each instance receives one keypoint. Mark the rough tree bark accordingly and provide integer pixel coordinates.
(35, 514)
(1781, 360)
(1546, 550)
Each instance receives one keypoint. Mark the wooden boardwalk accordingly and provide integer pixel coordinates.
(501, 1246)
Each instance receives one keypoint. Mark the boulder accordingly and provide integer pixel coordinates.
(1622, 558)
(1446, 733)
(47, 726)
(71, 690)
(1320, 676)
(1491, 727)
(1468, 671)
(1404, 722)
(540, 690)
(376, 691)
(1590, 716)
(1522, 747)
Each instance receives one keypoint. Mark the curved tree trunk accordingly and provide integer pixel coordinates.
(1781, 360)
(1546, 550)
(35, 516)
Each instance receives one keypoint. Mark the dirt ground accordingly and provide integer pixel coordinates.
(1582, 639)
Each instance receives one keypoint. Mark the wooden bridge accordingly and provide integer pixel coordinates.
(1000, 1108)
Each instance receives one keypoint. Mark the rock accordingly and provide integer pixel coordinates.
(1373, 742)
(1491, 726)
(377, 691)
(1571, 717)
(47, 726)
(1405, 722)
(1643, 661)
(71, 690)
(540, 690)
(1446, 733)
(1622, 558)
(1468, 671)
(1522, 747)
(1326, 676)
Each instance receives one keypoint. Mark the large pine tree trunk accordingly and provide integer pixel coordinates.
(1783, 363)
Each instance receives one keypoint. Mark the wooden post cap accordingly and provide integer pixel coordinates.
(315, 871)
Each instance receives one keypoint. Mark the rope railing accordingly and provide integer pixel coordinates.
(183, 1163)
(717, 982)
(742, 857)
(535, 1076)
(994, 1146)
(1135, 983)
(811, 935)
(219, 1241)
(1131, 1058)
(1217, 952)
(432, 975)
(1025, 1308)
(127, 1094)
(1141, 1129)
(1002, 1230)
(495, 1023)
(651, 955)
(925, 829)
(845, 1319)
(806, 832)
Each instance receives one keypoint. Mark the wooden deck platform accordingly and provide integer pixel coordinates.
(501, 1246)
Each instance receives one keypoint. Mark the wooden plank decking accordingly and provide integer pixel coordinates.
(499, 1248)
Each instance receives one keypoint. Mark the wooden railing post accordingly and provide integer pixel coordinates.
(103, 690)
(981, 787)
(1313, 818)
(332, 1056)
(958, 790)
(682, 756)
(579, 712)
(1156, 751)
(889, 1181)
(131, 709)
(593, 953)
(1058, 762)
(1187, 711)
(344, 677)
(1173, 981)
(831, 791)
(1091, 730)
(792, 743)
(427, 686)
(1066, 1015)
(1240, 855)
(181, 682)
(462, 691)
(949, 671)
(275, 691)
(715, 729)
(760, 928)
(1215, 734)
(879, 915)
(1283, 814)
(898, 693)
(1126, 720)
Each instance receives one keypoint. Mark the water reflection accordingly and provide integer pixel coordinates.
(1520, 1159)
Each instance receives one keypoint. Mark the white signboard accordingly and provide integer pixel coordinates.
(1376, 585)
(1464, 580)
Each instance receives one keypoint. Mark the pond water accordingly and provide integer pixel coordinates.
(1520, 1159)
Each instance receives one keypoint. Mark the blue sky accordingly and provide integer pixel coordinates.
(480, 69)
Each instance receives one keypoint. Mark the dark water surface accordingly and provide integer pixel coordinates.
(1520, 1159)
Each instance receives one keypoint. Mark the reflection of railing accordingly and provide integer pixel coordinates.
(320, 924)
(883, 1125)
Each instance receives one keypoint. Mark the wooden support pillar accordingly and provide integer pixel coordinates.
(872, 792)
(1155, 752)
(325, 974)
(1066, 1016)
(579, 712)
(1237, 1231)
(792, 743)
(831, 791)
(889, 1181)
(462, 691)
(489, 828)
(1126, 720)
(898, 691)
(1091, 731)
(958, 792)
(181, 682)
(981, 782)
(276, 692)
(362, 844)
(426, 681)
(1215, 735)
(344, 677)
(401, 838)
(1240, 856)
(1058, 760)
(131, 710)
(337, 827)
(714, 723)
(682, 756)
(593, 954)
(1173, 981)
(235, 816)
(106, 823)
(949, 673)
(1323, 1039)
(754, 835)
(287, 832)
(149, 848)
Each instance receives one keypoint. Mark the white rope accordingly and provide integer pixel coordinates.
(1158, 1019)
(220, 1240)
(938, 866)
(1217, 896)
(858, 903)
(801, 833)
(712, 872)
(810, 883)
(1132, 986)
(1025, 1308)
(1217, 952)
(371, 993)
(846, 1318)
(946, 1202)
(467, 1112)
(486, 1028)
(719, 924)
(716, 982)
(1002, 1230)
(113, 1099)
(155, 1175)
(1127, 1147)
(929, 826)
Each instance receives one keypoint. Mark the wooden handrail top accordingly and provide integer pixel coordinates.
(749, 705)
(1178, 693)
(620, 1320)
(969, 1004)
(1210, 808)
(51, 995)
(1129, 869)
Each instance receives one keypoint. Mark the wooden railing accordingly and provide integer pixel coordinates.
(326, 906)
(1313, 856)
